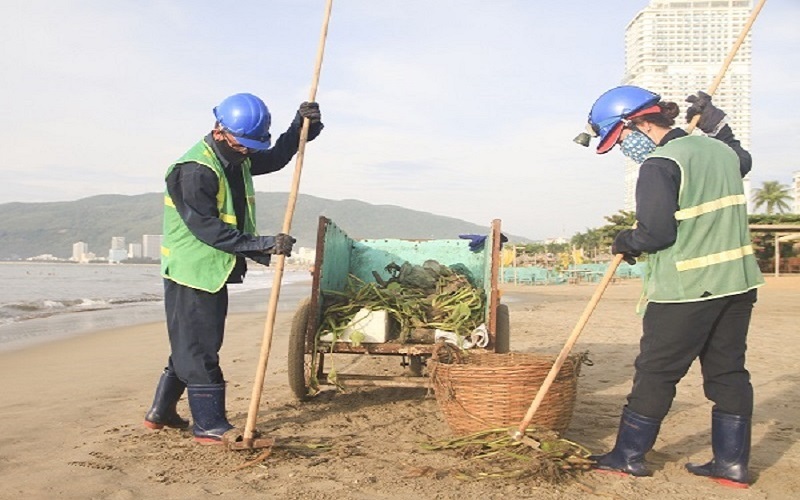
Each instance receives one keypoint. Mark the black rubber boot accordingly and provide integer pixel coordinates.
(730, 442)
(207, 402)
(163, 413)
(636, 436)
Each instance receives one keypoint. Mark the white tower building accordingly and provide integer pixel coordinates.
(151, 246)
(79, 250)
(134, 250)
(118, 252)
(677, 47)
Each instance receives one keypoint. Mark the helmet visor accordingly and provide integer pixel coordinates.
(612, 137)
(260, 143)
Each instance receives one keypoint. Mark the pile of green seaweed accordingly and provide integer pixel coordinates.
(427, 297)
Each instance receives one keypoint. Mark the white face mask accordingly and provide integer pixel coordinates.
(637, 146)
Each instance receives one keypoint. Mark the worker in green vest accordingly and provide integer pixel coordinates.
(209, 230)
(701, 278)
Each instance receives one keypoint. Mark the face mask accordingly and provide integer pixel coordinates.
(234, 157)
(637, 146)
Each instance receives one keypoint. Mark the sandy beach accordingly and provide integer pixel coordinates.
(71, 412)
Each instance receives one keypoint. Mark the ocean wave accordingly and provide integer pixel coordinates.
(23, 310)
(26, 310)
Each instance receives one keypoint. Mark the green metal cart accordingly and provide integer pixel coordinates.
(338, 256)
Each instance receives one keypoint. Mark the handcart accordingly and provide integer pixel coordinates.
(338, 256)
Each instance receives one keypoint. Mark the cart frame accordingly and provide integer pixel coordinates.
(338, 255)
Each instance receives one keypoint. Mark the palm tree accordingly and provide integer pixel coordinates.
(774, 195)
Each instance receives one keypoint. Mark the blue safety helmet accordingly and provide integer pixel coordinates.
(247, 118)
(615, 107)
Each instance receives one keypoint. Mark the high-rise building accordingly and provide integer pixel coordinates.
(677, 47)
(151, 246)
(134, 250)
(79, 250)
(118, 252)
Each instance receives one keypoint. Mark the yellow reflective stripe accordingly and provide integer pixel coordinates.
(165, 251)
(710, 206)
(227, 218)
(714, 258)
(220, 197)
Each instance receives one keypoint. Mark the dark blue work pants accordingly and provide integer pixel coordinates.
(675, 334)
(196, 327)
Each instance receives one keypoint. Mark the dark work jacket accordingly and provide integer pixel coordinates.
(194, 187)
(657, 198)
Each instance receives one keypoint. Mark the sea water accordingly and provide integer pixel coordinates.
(40, 302)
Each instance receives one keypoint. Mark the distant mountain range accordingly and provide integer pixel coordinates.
(30, 229)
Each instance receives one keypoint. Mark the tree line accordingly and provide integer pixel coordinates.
(594, 245)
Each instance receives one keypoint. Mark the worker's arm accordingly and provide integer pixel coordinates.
(193, 189)
(274, 159)
(656, 204)
(725, 135)
(713, 122)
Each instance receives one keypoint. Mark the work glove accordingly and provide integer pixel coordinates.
(620, 245)
(308, 110)
(476, 241)
(262, 248)
(711, 117)
(311, 111)
(282, 245)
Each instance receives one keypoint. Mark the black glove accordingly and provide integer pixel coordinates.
(282, 245)
(710, 115)
(308, 110)
(262, 248)
(620, 245)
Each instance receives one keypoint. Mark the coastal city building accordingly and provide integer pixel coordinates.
(79, 250)
(43, 257)
(117, 252)
(134, 250)
(151, 246)
(677, 47)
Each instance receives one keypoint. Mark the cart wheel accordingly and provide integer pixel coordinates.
(299, 363)
(502, 331)
(415, 366)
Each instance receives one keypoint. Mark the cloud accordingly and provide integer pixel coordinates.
(465, 109)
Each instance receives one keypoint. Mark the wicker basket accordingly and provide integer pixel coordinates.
(486, 390)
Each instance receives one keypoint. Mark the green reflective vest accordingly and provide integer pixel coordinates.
(712, 255)
(184, 258)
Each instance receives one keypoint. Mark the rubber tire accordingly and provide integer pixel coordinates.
(299, 362)
(502, 330)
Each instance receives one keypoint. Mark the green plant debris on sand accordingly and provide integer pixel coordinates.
(494, 453)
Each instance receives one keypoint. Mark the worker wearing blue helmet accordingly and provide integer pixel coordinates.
(209, 230)
(701, 276)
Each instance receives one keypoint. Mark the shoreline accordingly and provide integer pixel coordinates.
(61, 326)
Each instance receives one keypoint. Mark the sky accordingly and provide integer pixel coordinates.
(465, 108)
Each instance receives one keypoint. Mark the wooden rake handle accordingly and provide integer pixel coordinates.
(562, 356)
(266, 343)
